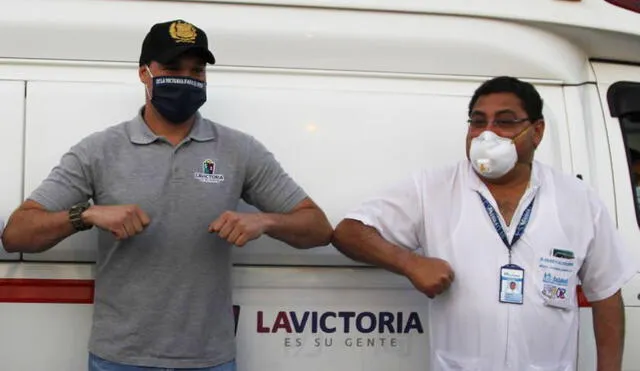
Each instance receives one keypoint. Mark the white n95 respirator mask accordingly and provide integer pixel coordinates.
(492, 156)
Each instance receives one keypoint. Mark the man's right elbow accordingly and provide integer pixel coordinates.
(16, 241)
(10, 242)
(10, 249)
(343, 235)
(339, 234)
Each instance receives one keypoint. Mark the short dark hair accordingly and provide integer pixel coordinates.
(527, 93)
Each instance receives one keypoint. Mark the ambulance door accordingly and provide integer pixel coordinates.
(11, 149)
(619, 90)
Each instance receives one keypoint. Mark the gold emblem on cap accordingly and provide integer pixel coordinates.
(182, 32)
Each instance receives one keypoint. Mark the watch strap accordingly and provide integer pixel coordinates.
(75, 216)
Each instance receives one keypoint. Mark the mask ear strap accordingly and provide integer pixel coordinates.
(150, 75)
(521, 133)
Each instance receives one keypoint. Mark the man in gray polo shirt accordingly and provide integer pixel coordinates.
(164, 187)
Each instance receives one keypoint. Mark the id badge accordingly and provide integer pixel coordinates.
(511, 284)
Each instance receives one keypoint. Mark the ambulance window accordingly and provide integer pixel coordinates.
(631, 130)
(624, 103)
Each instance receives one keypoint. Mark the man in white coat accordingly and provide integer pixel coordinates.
(500, 242)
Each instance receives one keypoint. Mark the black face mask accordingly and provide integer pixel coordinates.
(177, 98)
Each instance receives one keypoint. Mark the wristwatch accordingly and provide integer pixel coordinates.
(75, 216)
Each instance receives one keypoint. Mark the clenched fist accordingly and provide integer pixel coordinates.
(431, 276)
(123, 221)
(239, 228)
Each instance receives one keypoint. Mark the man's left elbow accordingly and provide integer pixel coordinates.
(321, 236)
(318, 229)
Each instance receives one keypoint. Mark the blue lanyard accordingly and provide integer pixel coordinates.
(493, 215)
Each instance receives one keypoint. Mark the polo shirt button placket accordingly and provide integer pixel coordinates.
(174, 169)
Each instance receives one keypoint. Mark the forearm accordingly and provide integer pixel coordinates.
(34, 230)
(608, 323)
(364, 244)
(302, 229)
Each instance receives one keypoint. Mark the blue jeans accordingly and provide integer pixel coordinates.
(98, 364)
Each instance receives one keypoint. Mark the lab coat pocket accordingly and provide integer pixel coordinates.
(557, 281)
(453, 362)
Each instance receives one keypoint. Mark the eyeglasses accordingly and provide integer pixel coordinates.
(478, 123)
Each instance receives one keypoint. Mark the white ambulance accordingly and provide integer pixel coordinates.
(350, 96)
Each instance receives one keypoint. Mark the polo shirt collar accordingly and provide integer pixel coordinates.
(139, 132)
(202, 131)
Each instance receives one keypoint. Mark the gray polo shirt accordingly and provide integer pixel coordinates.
(163, 297)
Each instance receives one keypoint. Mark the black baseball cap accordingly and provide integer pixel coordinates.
(168, 40)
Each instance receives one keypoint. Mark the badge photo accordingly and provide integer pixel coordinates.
(511, 284)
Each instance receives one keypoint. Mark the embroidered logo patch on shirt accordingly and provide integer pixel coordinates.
(208, 174)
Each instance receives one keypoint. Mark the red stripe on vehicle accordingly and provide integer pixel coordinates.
(582, 300)
(31, 290)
